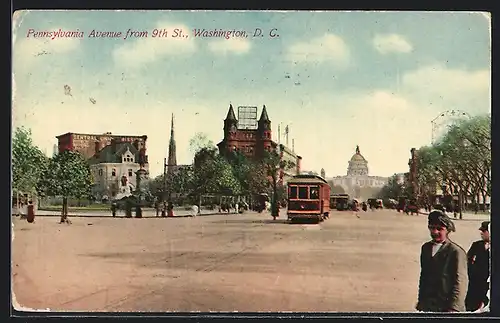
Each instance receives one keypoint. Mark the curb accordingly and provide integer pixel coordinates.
(122, 216)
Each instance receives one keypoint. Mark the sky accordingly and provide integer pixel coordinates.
(337, 79)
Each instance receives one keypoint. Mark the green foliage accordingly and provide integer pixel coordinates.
(459, 161)
(214, 174)
(199, 141)
(393, 189)
(28, 162)
(67, 175)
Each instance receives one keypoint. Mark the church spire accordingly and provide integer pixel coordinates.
(172, 153)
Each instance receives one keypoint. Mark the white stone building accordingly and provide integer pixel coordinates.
(358, 183)
(117, 161)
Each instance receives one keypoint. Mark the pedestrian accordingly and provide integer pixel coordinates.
(364, 206)
(443, 274)
(164, 209)
(194, 210)
(170, 209)
(478, 260)
(114, 206)
(157, 207)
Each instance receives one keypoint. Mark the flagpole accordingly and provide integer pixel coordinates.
(279, 132)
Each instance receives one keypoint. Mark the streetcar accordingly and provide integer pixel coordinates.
(339, 201)
(308, 198)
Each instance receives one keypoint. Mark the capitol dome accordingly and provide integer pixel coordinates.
(358, 165)
(357, 157)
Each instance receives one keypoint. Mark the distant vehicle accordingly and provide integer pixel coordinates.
(308, 198)
(375, 203)
(340, 202)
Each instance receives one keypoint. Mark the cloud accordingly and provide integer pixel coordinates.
(437, 79)
(327, 48)
(391, 43)
(451, 89)
(27, 49)
(234, 45)
(136, 53)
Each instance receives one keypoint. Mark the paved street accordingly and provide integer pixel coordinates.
(223, 262)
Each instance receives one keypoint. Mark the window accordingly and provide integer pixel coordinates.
(303, 192)
(113, 172)
(314, 193)
(100, 172)
(130, 173)
(292, 192)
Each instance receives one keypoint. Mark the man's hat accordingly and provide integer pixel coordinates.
(485, 226)
(440, 218)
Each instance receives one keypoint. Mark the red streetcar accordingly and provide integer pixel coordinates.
(308, 198)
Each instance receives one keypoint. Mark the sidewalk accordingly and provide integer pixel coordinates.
(471, 216)
(146, 213)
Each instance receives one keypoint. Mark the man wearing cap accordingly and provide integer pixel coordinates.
(443, 275)
(478, 260)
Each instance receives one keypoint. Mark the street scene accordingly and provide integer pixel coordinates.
(236, 162)
(224, 263)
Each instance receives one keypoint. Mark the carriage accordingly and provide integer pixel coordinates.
(308, 198)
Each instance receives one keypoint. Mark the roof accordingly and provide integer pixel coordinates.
(106, 134)
(358, 157)
(230, 113)
(307, 179)
(106, 155)
(263, 115)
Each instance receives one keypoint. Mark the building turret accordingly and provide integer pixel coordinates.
(264, 130)
(264, 125)
(230, 129)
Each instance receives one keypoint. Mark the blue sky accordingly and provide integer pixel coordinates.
(373, 79)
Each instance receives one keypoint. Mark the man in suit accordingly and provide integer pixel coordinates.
(443, 275)
(478, 259)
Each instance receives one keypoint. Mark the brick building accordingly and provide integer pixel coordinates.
(89, 144)
(112, 159)
(254, 142)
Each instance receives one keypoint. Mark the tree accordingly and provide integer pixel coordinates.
(460, 163)
(199, 141)
(28, 162)
(393, 189)
(67, 175)
(273, 166)
(212, 173)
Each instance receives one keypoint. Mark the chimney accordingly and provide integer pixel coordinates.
(114, 142)
(97, 147)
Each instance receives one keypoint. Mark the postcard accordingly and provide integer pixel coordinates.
(251, 161)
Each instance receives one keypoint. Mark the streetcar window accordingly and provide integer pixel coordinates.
(303, 193)
(313, 193)
(292, 192)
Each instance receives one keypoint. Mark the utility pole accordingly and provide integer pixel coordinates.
(165, 179)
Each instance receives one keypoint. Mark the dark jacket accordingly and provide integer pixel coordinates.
(443, 278)
(478, 261)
